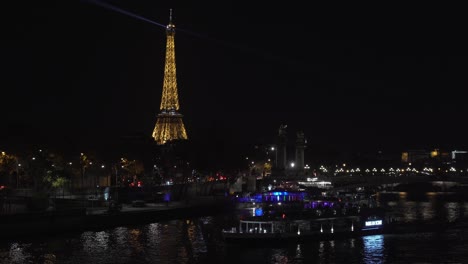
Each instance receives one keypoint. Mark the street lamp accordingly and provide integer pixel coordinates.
(107, 175)
(273, 149)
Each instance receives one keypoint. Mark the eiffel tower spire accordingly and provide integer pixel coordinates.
(169, 125)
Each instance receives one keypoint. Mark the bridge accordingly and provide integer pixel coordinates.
(350, 182)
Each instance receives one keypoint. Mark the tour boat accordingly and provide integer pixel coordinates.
(259, 230)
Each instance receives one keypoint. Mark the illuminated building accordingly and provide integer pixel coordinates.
(459, 154)
(460, 157)
(412, 156)
(169, 125)
(425, 157)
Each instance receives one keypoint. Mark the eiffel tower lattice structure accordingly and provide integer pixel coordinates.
(169, 125)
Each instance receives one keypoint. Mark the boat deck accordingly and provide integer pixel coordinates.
(258, 230)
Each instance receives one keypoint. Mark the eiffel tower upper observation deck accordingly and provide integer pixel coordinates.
(169, 125)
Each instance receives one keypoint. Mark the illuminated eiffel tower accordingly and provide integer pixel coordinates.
(169, 125)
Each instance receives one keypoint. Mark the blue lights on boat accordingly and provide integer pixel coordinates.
(279, 193)
(258, 211)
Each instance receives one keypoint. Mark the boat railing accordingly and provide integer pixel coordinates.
(318, 225)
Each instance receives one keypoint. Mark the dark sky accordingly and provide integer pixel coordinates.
(351, 77)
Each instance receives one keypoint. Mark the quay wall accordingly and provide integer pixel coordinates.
(83, 219)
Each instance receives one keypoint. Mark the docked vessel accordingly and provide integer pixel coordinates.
(263, 230)
(283, 215)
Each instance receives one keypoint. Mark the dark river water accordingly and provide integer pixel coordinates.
(199, 240)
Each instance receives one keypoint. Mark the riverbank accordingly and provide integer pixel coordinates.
(28, 224)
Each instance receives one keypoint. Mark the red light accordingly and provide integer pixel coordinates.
(139, 184)
(284, 216)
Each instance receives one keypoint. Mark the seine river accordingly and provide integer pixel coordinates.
(199, 240)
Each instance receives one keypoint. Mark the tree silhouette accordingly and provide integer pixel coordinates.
(8, 164)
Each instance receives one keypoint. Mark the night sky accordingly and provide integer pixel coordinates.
(353, 78)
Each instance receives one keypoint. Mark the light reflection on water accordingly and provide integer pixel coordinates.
(418, 211)
(454, 211)
(142, 247)
(429, 207)
(198, 241)
(373, 249)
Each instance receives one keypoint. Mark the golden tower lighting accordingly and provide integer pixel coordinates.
(169, 125)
